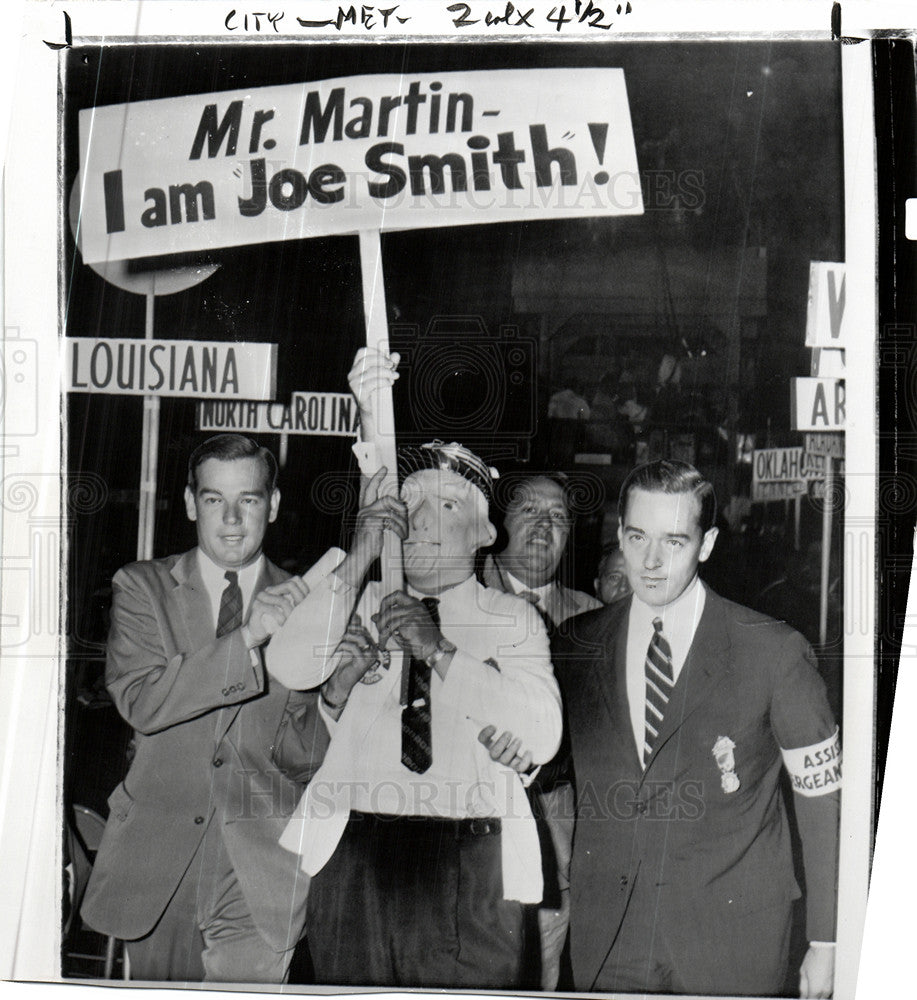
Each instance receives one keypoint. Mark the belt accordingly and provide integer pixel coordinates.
(459, 829)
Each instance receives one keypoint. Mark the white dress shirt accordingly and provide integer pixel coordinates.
(500, 675)
(679, 623)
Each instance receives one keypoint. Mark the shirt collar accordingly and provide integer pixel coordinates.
(215, 576)
(678, 615)
(456, 590)
(520, 588)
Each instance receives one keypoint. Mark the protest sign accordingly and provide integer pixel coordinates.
(363, 153)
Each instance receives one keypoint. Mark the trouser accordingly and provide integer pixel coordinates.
(206, 933)
(409, 901)
(556, 809)
(742, 954)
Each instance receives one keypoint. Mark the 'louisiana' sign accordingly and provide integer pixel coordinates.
(197, 368)
(360, 153)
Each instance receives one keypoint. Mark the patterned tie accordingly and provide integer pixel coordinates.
(659, 682)
(416, 739)
(230, 616)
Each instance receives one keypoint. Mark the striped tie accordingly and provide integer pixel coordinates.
(230, 616)
(659, 682)
(416, 733)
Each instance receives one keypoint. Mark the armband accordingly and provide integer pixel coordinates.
(815, 770)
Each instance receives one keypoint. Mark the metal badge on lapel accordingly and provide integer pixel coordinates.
(722, 753)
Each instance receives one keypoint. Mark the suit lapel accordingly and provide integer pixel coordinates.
(707, 663)
(192, 602)
(611, 666)
(192, 606)
(618, 669)
(268, 576)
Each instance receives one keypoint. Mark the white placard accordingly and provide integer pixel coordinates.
(353, 154)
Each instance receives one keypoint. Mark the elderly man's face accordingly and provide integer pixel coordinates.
(611, 584)
(538, 525)
(447, 524)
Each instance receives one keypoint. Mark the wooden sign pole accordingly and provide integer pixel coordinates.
(827, 518)
(383, 409)
(383, 434)
(149, 452)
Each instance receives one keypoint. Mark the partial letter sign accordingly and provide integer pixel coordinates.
(818, 404)
(827, 297)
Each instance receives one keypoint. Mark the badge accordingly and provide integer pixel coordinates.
(730, 782)
(725, 760)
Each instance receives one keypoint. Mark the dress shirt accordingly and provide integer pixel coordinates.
(679, 623)
(499, 675)
(215, 582)
(520, 588)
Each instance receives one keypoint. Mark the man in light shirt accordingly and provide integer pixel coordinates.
(189, 872)
(684, 709)
(421, 846)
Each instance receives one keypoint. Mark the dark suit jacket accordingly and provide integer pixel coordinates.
(712, 854)
(205, 717)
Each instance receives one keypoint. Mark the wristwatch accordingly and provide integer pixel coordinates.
(443, 648)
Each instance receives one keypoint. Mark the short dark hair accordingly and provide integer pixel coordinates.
(666, 476)
(516, 486)
(228, 448)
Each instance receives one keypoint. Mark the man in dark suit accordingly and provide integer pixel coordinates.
(537, 522)
(189, 870)
(684, 709)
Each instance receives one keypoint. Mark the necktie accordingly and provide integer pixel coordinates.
(659, 682)
(416, 739)
(230, 616)
(533, 599)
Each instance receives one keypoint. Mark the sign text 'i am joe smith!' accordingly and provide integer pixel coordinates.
(356, 153)
(190, 368)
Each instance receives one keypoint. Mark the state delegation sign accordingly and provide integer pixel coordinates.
(195, 368)
(354, 154)
(784, 473)
(310, 413)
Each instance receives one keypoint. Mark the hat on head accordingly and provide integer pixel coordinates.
(449, 458)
